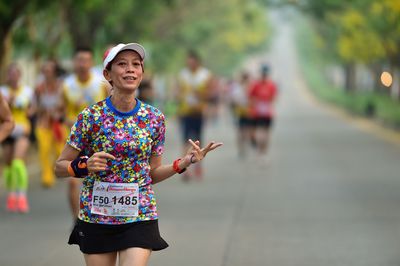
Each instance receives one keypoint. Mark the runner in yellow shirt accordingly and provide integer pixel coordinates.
(81, 89)
(193, 93)
(15, 146)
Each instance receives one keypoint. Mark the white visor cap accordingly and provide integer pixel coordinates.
(111, 53)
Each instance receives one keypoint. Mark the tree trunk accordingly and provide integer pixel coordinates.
(7, 19)
(395, 88)
(5, 55)
(376, 71)
(350, 77)
(82, 26)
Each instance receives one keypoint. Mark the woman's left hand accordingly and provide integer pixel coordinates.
(196, 153)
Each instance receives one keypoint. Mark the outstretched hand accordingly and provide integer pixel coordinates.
(196, 153)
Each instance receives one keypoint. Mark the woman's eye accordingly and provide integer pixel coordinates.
(121, 63)
(136, 64)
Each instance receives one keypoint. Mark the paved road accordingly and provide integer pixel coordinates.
(329, 194)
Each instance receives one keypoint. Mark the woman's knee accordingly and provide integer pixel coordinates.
(21, 147)
(134, 257)
(104, 259)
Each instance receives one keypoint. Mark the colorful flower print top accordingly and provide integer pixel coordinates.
(132, 137)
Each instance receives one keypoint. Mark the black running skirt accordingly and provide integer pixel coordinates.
(102, 238)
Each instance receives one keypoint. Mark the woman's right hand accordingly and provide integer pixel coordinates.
(196, 153)
(98, 161)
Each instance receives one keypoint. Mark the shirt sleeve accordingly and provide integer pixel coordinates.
(159, 136)
(78, 137)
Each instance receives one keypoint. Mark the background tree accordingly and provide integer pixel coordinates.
(222, 30)
(358, 32)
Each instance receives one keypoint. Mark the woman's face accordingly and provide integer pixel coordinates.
(83, 62)
(49, 69)
(192, 63)
(13, 74)
(126, 71)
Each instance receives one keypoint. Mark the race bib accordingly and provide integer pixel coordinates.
(192, 100)
(263, 108)
(115, 199)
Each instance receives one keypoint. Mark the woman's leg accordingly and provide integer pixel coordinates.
(46, 144)
(21, 147)
(264, 141)
(241, 137)
(252, 131)
(103, 259)
(8, 155)
(10, 180)
(18, 168)
(264, 135)
(134, 257)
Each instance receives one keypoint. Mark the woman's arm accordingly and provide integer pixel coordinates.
(6, 119)
(96, 163)
(160, 172)
(67, 155)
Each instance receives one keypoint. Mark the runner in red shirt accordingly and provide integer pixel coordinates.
(262, 95)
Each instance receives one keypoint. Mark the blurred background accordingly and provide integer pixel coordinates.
(325, 192)
(353, 45)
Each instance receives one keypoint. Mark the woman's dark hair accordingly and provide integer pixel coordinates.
(194, 54)
(59, 71)
(83, 49)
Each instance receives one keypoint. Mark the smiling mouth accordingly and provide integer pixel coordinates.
(130, 78)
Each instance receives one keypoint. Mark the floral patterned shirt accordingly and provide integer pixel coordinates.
(131, 137)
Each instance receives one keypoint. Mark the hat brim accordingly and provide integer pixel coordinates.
(113, 52)
(134, 47)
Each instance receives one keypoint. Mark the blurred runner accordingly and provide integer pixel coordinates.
(49, 108)
(16, 145)
(194, 83)
(80, 90)
(6, 120)
(262, 95)
(146, 91)
(213, 96)
(240, 105)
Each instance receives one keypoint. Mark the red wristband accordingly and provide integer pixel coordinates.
(176, 168)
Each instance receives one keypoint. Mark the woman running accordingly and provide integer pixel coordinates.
(15, 146)
(116, 146)
(49, 112)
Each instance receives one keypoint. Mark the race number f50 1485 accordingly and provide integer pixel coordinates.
(115, 199)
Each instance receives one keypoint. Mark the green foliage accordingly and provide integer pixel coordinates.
(222, 31)
(386, 110)
(358, 43)
(360, 31)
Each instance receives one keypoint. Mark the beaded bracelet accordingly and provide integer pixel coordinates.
(191, 159)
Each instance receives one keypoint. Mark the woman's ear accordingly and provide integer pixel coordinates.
(106, 75)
